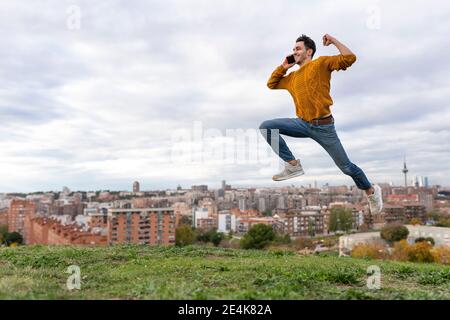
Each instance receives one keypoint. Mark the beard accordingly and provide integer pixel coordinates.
(301, 59)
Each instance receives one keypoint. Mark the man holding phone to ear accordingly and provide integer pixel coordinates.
(309, 86)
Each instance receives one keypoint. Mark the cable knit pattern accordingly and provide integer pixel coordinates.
(309, 86)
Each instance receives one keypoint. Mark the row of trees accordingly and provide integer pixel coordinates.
(341, 219)
(185, 235)
(440, 219)
(258, 237)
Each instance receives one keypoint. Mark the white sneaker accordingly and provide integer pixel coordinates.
(375, 200)
(289, 171)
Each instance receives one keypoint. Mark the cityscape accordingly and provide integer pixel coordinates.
(218, 158)
(107, 217)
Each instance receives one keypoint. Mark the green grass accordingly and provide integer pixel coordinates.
(195, 272)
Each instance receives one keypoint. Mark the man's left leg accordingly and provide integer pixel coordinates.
(327, 137)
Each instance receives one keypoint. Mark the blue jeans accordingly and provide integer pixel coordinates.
(325, 135)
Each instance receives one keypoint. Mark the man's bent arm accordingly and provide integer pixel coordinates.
(327, 40)
(278, 80)
(342, 61)
(342, 48)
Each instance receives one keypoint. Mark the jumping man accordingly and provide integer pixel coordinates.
(310, 88)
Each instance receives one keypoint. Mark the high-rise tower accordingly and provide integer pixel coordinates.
(136, 187)
(405, 171)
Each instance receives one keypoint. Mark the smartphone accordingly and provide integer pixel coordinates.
(290, 59)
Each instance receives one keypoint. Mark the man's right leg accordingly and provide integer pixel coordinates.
(287, 126)
(271, 130)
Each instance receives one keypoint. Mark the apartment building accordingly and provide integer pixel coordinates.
(301, 224)
(4, 216)
(18, 211)
(153, 226)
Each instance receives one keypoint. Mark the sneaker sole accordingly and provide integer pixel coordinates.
(376, 211)
(292, 175)
(381, 198)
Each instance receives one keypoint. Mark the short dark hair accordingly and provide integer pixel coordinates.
(309, 43)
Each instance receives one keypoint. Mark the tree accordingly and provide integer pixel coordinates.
(13, 237)
(311, 227)
(420, 252)
(184, 235)
(210, 236)
(434, 215)
(394, 232)
(282, 238)
(259, 236)
(217, 237)
(185, 220)
(203, 236)
(443, 222)
(415, 221)
(340, 219)
(3, 233)
(430, 240)
(267, 213)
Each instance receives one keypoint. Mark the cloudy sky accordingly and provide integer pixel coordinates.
(97, 94)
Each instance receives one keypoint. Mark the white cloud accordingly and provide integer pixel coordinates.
(97, 107)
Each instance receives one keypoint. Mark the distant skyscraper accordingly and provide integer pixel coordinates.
(136, 187)
(421, 181)
(242, 204)
(221, 191)
(281, 203)
(200, 188)
(262, 204)
(416, 182)
(425, 182)
(405, 171)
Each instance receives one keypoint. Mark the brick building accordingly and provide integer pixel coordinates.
(297, 225)
(18, 211)
(209, 223)
(245, 213)
(149, 203)
(417, 211)
(398, 199)
(393, 214)
(4, 217)
(98, 220)
(244, 224)
(50, 231)
(153, 226)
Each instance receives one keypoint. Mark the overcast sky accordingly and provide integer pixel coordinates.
(95, 94)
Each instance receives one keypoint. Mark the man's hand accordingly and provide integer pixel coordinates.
(327, 40)
(286, 64)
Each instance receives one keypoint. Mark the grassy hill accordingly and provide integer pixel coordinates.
(142, 272)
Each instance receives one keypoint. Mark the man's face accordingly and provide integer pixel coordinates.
(300, 52)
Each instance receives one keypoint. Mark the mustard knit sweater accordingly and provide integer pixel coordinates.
(309, 86)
